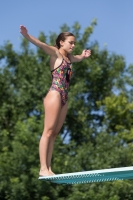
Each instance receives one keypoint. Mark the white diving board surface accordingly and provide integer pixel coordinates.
(102, 175)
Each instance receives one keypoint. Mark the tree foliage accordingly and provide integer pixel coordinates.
(97, 133)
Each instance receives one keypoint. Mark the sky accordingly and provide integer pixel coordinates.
(114, 21)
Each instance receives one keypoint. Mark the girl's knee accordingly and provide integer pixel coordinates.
(49, 133)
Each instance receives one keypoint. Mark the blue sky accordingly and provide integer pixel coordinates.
(114, 18)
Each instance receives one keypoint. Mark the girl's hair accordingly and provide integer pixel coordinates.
(62, 36)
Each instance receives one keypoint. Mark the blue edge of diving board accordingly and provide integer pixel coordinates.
(102, 175)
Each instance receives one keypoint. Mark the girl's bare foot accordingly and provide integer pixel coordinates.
(52, 173)
(45, 173)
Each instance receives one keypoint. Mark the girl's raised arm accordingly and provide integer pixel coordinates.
(50, 50)
(77, 58)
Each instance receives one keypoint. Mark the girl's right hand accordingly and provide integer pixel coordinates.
(23, 30)
(50, 50)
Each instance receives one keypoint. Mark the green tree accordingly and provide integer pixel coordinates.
(98, 131)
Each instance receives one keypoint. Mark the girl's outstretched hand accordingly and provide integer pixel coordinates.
(86, 53)
(23, 30)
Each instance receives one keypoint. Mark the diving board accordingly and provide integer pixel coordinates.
(102, 175)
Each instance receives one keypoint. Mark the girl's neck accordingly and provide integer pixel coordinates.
(64, 53)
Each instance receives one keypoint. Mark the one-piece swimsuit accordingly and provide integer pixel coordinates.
(61, 77)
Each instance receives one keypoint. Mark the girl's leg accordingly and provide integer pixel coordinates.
(52, 106)
(60, 122)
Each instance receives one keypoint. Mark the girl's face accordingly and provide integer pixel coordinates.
(69, 44)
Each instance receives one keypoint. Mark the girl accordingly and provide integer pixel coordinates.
(55, 102)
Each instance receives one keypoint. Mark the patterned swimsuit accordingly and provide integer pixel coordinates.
(60, 80)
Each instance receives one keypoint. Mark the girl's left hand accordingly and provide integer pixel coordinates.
(23, 30)
(86, 53)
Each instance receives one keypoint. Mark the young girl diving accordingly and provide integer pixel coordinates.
(56, 100)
